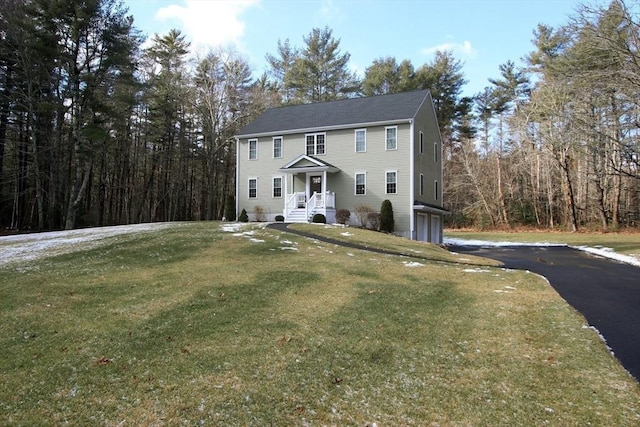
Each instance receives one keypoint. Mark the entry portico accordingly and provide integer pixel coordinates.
(301, 203)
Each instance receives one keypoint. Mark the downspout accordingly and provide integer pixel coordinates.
(411, 180)
(237, 178)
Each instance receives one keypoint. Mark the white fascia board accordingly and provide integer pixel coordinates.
(325, 128)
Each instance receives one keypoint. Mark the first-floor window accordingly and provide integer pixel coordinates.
(277, 186)
(392, 182)
(421, 184)
(253, 188)
(436, 190)
(361, 183)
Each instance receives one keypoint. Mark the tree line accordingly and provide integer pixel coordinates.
(96, 129)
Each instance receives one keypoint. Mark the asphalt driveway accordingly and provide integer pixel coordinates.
(605, 291)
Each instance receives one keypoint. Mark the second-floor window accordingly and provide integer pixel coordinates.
(315, 144)
(277, 147)
(391, 182)
(361, 183)
(361, 140)
(253, 149)
(391, 138)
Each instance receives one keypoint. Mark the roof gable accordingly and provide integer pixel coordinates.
(333, 114)
(304, 162)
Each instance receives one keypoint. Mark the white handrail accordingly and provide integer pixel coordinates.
(317, 203)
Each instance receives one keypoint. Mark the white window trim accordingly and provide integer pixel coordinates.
(273, 186)
(355, 184)
(355, 136)
(315, 143)
(386, 182)
(436, 151)
(386, 144)
(252, 178)
(421, 142)
(281, 147)
(249, 149)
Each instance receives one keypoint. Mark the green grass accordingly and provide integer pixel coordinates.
(411, 248)
(193, 325)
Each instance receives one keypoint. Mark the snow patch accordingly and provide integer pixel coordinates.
(609, 253)
(475, 270)
(486, 243)
(601, 251)
(600, 335)
(346, 233)
(232, 227)
(29, 247)
(413, 264)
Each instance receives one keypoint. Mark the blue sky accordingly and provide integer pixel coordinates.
(482, 33)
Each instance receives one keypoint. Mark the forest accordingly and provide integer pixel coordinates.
(97, 128)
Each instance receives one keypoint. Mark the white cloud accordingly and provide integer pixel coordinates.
(209, 23)
(465, 49)
(330, 12)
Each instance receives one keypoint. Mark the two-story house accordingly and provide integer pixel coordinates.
(299, 160)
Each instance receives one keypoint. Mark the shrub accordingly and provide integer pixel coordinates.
(362, 212)
(259, 213)
(373, 220)
(386, 217)
(243, 216)
(230, 208)
(279, 218)
(319, 219)
(342, 216)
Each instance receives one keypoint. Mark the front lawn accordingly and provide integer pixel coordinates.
(226, 324)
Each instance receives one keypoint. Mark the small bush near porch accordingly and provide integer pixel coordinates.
(235, 324)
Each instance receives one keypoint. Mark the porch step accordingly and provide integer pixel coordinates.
(297, 215)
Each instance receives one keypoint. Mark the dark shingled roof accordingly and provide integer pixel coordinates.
(353, 111)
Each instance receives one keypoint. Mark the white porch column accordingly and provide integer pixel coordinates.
(286, 186)
(324, 183)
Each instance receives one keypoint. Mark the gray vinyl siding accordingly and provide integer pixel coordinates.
(340, 152)
(264, 168)
(374, 163)
(424, 162)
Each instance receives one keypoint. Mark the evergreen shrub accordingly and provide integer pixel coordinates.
(386, 217)
(243, 216)
(319, 219)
